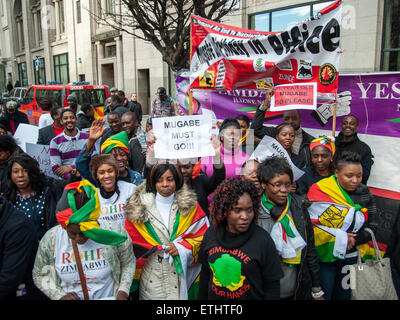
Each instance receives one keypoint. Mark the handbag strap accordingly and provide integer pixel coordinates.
(375, 243)
(80, 270)
(377, 252)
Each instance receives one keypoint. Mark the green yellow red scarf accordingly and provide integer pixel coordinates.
(86, 217)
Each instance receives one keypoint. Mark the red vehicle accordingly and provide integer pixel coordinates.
(58, 93)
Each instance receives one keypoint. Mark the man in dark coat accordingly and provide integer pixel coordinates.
(116, 105)
(347, 140)
(18, 246)
(49, 132)
(9, 86)
(301, 145)
(85, 117)
(136, 107)
(12, 117)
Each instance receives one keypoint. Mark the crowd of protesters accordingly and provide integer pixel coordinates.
(116, 223)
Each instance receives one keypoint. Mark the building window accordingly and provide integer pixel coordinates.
(61, 72)
(111, 6)
(78, 12)
(111, 51)
(284, 18)
(390, 60)
(39, 72)
(22, 74)
(62, 17)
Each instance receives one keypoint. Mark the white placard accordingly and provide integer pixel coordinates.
(41, 154)
(183, 137)
(269, 147)
(26, 133)
(294, 96)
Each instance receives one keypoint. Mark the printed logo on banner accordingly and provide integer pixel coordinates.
(221, 76)
(285, 65)
(304, 70)
(327, 74)
(265, 83)
(206, 79)
(259, 65)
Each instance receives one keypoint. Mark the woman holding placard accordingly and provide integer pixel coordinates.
(231, 153)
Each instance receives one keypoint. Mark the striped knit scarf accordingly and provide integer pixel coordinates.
(288, 240)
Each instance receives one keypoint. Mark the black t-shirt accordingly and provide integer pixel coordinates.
(242, 272)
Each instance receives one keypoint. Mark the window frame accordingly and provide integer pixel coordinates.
(57, 67)
(383, 50)
(310, 4)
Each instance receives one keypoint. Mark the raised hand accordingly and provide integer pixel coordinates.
(97, 129)
(268, 96)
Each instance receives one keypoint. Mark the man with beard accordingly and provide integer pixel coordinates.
(137, 141)
(65, 147)
(347, 140)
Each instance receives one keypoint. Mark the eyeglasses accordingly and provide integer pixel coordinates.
(280, 186)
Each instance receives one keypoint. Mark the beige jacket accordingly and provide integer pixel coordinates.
(120, 258)
(159, 280)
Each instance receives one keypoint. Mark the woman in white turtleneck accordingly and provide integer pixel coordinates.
(154, 208)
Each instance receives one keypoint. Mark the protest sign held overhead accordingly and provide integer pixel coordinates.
(228, 58)
(183, 137)
(269, 147)
(296, 96)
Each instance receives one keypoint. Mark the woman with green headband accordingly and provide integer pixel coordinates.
(105, 252)
(116, 145)
(284, 216)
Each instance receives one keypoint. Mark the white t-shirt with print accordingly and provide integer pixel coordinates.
(113, 209)
(99, 280)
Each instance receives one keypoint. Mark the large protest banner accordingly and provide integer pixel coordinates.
(229, 58)
(374, 98)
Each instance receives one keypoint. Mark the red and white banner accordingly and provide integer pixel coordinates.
(228, 58)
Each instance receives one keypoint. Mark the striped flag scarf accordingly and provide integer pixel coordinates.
(333, 214)
(187, 235)
(86, 217)
(288, 241)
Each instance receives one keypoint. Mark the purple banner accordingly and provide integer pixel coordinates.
(374, 98)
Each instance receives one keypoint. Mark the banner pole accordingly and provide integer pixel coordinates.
(190, 62)
(334, 117)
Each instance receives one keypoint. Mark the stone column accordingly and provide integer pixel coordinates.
(27, 35)
(36, 28)
(120, 67)
(57, 11)
(100, 56)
